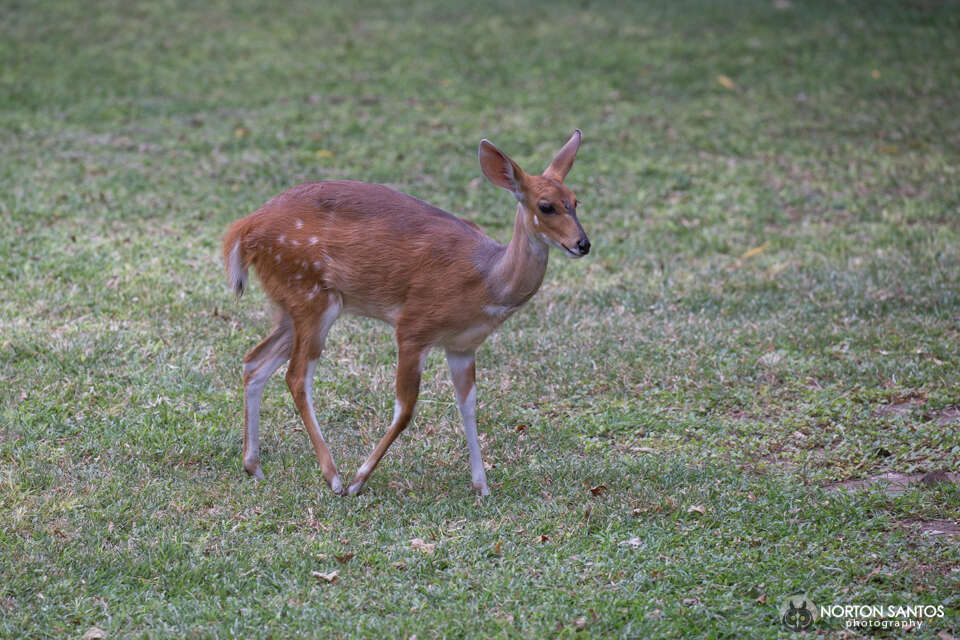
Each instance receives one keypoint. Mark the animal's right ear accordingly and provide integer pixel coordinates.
(500, 169)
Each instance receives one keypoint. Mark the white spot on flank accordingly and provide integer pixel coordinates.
(298, 223)
(317, 265)
(282, 239)
(295, 243)
(276, 257)
(314, 239)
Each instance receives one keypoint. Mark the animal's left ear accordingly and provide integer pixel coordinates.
(561, 164)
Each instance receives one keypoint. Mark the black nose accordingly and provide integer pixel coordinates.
(584, 246)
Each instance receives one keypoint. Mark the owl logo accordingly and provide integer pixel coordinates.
(798, 612)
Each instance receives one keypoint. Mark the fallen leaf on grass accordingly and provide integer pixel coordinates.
(331, 577)
(544, 538)
(755, 251)
(401, 565)
(726, 82)
(345, 557)
(597, 490)
(420, 545)
(521, 427)
(946, 635)
(580, 623)
(632, 542)
(697, 509)
(94, 633)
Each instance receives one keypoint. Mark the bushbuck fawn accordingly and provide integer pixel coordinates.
(325, 248)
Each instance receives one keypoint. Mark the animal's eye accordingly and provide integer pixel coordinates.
(546, 207)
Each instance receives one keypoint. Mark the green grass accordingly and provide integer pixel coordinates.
(674, 366)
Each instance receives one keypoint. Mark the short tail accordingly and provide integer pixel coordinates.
(233, 256)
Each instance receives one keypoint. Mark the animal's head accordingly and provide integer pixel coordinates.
(549, 206)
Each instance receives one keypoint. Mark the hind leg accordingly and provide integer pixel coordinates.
(258, 365)
(310, 335)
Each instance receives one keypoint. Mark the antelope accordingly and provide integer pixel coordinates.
(321, 249)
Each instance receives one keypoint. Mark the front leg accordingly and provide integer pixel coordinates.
(410, 360)
(463, 372)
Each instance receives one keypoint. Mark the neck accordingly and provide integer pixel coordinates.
(518, 271)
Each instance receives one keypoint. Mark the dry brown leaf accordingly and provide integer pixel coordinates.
(496, 548)
(946, 635)
(345, 557)
(597, 490)
(755, 251)
(331, 577)
(580, 623)
(420, 545)
(401, 565)
(544, 538)
(697, 509)
(726, 82)
(521, 427)
(762, 599)
(94, 633)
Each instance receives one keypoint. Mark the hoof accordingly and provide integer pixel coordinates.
(256, 474)
(482, 489)
(336, 486)
(355, 488)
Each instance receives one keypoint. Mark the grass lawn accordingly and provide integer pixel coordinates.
(738, 395)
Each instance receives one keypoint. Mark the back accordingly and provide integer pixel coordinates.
(374, 245)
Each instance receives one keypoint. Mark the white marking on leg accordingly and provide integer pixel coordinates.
(298, 223)
(314, 240)
(468, 411)
(498, 310)
(261, 369)
(459, 365)
(326, 321)
(397, 410)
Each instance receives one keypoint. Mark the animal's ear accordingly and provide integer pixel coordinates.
(500, 169)
(561, 164)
